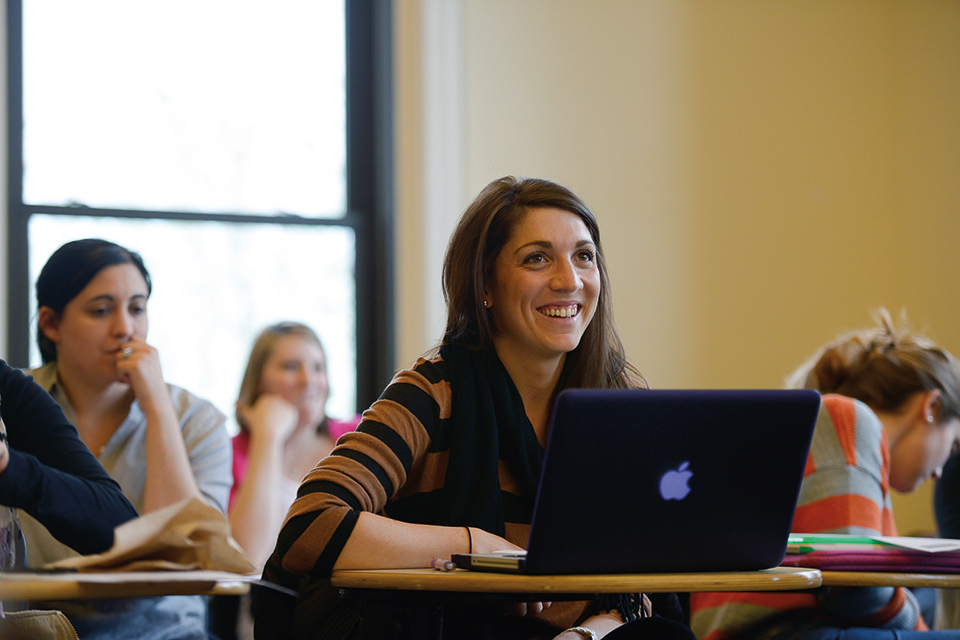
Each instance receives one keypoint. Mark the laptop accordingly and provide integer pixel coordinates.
(664, 481)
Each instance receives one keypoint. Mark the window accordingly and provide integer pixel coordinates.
(240, 148)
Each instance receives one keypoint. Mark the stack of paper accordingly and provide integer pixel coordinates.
(811, 542)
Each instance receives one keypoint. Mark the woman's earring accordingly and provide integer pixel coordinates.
(485, 304)
(930, 418)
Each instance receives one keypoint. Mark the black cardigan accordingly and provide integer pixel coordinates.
(51, 474)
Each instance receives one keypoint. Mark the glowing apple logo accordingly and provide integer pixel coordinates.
(673, 484)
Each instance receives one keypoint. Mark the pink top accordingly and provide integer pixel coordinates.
(241, 445)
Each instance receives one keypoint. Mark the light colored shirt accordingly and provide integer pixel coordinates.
(124, 457)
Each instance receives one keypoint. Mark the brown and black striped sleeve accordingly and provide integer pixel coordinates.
(395, 454)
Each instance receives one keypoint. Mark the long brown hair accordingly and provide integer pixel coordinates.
(485, 227)
(883, 366)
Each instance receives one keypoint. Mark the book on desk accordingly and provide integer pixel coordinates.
(840, 552)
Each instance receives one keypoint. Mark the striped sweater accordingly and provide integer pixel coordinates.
(395, 459)
(394, 464)
(845, 490)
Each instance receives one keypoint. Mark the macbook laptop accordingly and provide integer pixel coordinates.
(665, 481)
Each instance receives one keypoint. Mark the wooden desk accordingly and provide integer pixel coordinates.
(133, 584)
(424, 592)
(883, 579)
(459, 580)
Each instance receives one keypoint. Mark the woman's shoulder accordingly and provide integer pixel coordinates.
(192, 409)
(857, 427)
(20, 390)
(849, 412)
(44, 375)
(5, 369)
(433, 362)
(423, 389)
(10, 376)
(429, 369)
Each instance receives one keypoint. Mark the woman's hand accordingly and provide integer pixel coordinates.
(256, 514)
(485, 542)
(169, 475)
(522, 609)
(271, 417)
(138, 364)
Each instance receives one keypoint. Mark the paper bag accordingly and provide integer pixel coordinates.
(188, 535)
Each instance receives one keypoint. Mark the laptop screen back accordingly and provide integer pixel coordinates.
(670, 480)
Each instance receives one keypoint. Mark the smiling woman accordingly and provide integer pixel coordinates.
(453, 448)
(544, 289)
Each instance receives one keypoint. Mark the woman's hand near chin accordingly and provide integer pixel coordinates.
(169, 474)
(271, 417)
(256, 514)
(138, 364)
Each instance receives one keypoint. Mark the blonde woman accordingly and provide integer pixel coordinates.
(284, 432)
(889, 419)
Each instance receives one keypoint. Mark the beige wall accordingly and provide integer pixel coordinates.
(765, 173)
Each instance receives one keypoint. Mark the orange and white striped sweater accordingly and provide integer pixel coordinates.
(845, 489)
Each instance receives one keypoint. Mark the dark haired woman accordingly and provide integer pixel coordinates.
(160, 442)
(47, 471)
(447, 460)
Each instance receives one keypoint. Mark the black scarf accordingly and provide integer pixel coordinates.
(489, 424)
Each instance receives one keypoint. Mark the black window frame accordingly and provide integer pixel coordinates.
(369, 193)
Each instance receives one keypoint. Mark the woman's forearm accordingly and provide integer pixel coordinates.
(382, 543)
(601, 624)
(170, 477)
(256, 514)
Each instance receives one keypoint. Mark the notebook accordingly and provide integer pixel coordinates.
(638, 481)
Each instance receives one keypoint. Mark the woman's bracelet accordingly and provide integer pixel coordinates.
(586, 633)
(469, 539)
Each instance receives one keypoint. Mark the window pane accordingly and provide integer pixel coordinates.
(186, 105)
(216, 285)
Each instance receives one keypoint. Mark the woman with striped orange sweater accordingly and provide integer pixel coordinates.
(890, 418)
(447, 460)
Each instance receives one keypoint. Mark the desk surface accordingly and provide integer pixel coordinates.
(776, 579)
(883, 579)
(132, 584)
